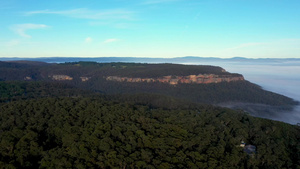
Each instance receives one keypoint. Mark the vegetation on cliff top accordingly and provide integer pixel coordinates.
(95, 73)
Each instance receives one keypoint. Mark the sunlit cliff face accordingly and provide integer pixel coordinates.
(173, 80)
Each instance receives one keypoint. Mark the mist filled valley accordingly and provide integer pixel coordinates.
(280, 76)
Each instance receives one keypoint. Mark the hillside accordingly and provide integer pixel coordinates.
(201, 84)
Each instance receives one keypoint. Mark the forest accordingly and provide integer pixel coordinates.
(73, 128)
(46, 123)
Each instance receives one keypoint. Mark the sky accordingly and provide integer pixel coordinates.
(150, 28)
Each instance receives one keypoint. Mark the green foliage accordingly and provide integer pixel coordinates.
(242, 91)
(139, 125)
(12, 91)
(97, 133)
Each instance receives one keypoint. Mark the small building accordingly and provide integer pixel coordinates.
(243, 144)
(249, 149)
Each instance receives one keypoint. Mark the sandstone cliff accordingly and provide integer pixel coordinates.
(61, 77)
(173, 80)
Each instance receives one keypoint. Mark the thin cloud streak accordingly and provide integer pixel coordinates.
(21, 29)
(83, 13)
(111, 40)
(279, 42)
(245, 45)
(113, 24)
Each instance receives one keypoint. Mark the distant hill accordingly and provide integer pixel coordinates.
(187, 59)
(199, 84)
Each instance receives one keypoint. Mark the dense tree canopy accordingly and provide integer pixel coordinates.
(12, 91)
(95, 133)
(103, 124)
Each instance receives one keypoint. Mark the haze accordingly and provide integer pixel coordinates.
(279, 77)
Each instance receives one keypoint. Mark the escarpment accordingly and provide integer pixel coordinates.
(173, 80)
(196, 83)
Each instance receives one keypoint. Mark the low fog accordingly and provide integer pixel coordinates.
(280, 77)
(268, 112)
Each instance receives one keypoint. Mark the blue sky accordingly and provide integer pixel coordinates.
(150, 28)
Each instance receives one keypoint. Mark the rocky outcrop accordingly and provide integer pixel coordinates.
(61, 77)
(27, 78)
(84, 79)
(173, 80)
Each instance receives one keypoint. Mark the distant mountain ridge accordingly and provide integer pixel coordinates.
(186, 59)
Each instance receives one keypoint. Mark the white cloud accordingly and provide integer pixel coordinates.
(114, 24)
(111, 40)
(88, 40)
(21, 29)
(84, 13)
